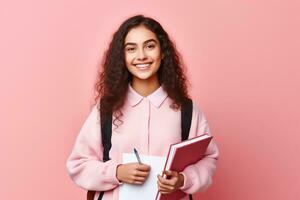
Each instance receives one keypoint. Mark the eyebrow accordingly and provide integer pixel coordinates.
(147, 41)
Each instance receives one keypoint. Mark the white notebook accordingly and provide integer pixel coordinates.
(148, 190)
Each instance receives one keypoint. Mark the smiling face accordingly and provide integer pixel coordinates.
(142, 54)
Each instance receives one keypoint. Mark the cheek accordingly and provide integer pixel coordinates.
(156, 55)
(157, 58)
(128, 59)
(157, 65)
(128, 63)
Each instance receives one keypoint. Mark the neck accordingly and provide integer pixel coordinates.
(145, 87)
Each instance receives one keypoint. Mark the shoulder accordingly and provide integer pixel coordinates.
(196, 108)
(197, 111)
(95, 108)
(94, 114)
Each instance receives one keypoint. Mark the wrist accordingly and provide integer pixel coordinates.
(181, 180)
(118, 173)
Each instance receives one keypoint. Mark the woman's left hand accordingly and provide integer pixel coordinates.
(168, 185)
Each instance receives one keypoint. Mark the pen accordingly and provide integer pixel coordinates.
(137, 155)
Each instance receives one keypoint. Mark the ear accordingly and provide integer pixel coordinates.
(162, 56)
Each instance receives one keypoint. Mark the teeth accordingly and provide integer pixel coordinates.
(143, 65)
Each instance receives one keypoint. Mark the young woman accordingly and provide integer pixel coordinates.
(144, 85)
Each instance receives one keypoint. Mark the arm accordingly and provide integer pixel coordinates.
(85, 165)
(198, 177)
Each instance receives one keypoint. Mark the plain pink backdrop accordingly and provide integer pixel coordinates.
(243, 63)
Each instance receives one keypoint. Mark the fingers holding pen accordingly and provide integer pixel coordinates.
(133, 173)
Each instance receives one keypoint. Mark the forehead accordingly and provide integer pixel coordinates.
(139, 34)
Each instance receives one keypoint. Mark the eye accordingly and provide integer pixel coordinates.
(150, 46)
(130, 49)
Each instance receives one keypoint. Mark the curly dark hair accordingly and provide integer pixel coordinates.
(112, 84)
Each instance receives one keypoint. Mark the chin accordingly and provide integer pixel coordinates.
(143, 77)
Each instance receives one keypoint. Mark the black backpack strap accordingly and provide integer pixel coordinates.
(106, 124)
(186, 120)
(101, 195)
(106, 131)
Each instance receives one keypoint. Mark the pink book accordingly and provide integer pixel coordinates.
(180, 156)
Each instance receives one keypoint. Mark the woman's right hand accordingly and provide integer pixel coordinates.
(133, 173)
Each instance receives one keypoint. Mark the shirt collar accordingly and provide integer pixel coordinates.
(156, 98)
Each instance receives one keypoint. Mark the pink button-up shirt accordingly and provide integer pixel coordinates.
(150, 125)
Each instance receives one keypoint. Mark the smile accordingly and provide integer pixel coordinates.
(142, 65)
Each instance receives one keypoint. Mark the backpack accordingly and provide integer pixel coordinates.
(106, 131)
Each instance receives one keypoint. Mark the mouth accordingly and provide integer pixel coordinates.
(143, 65)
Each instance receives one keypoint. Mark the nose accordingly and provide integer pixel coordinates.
(141, 55)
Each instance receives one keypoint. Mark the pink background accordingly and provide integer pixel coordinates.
(243, 63)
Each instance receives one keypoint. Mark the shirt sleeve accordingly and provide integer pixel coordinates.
(84, 165)
(198, 176)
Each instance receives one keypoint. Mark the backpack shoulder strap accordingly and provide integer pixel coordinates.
(106, 131)
(186, 118)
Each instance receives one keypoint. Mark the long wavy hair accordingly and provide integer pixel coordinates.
(112, 84)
